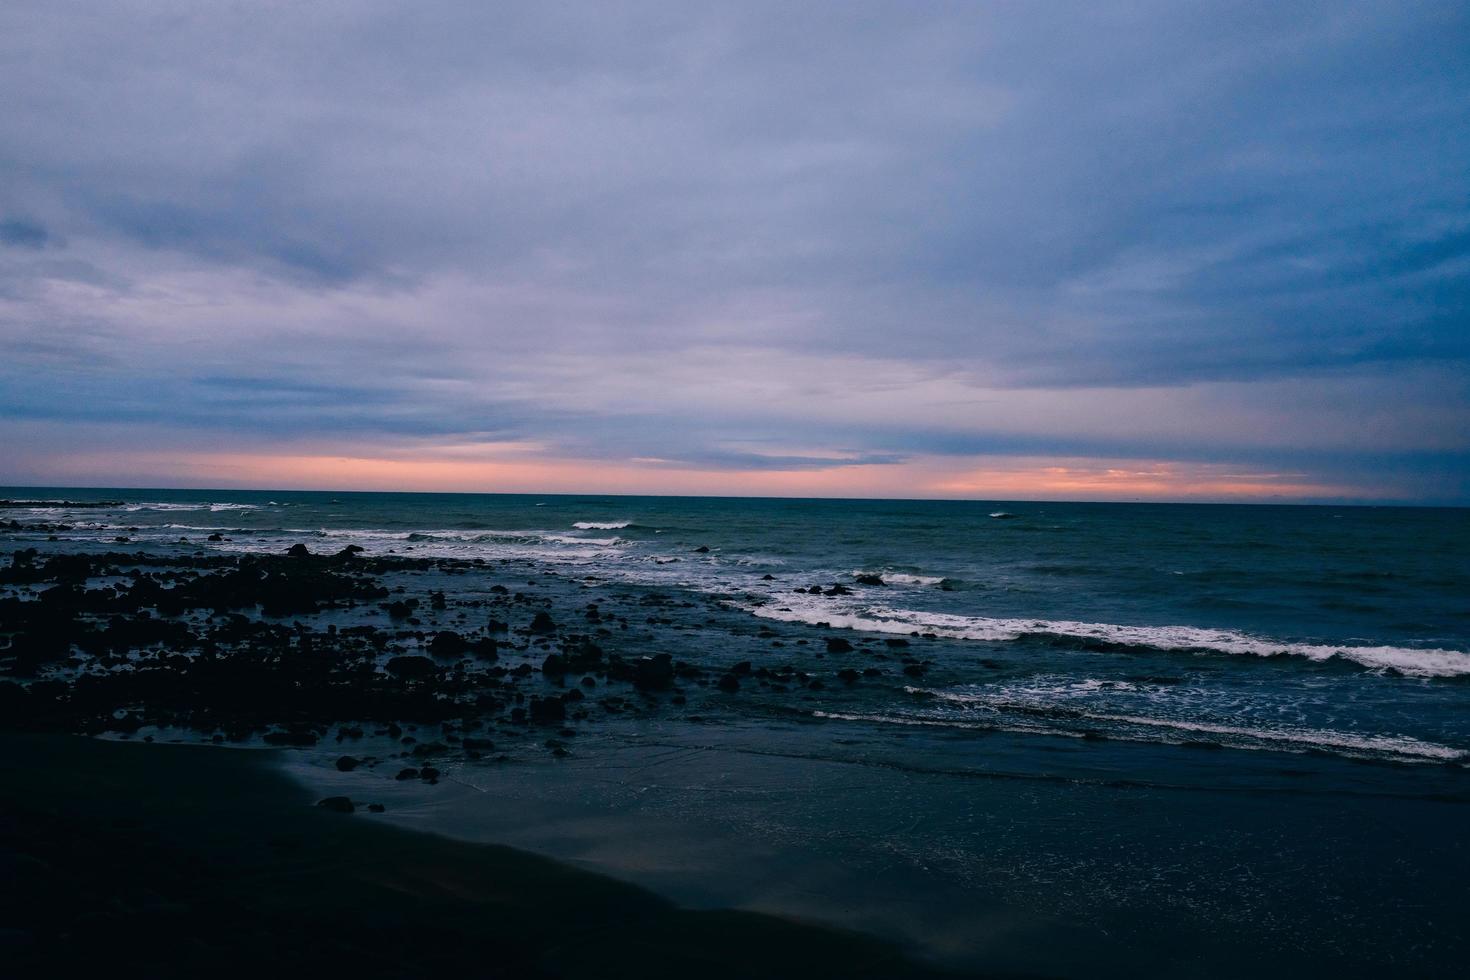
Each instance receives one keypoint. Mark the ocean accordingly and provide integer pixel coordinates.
(1061, 738)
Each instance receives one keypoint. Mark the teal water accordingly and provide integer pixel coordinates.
(1334, 629)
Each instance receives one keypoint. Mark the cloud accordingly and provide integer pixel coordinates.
(748, 238)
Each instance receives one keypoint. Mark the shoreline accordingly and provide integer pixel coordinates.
(170, 859)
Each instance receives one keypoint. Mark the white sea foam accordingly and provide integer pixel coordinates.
(877, 619)
(601, 525)
(901, 578)
(1062, 694)
(163, 506)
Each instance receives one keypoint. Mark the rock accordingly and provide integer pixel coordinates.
(914, 670)
(347, 763)
(836, 644)
(768, 578)
(298, 551)
(654, 673)
(870, 580)
(729, 684)
(376, 808)
(411, 667)
(546, 711)
(216, 536)
(702, 550)
(838, 589)
(542, 623)
(337, 804)
(448, 645)
(409, 773)
(895, 642)
(742, 668)
(848, 675)
(429, 774)
(554, 665)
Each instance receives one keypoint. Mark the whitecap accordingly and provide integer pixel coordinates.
(1412, 661)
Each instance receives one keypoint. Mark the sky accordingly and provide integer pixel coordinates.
(1204, 251)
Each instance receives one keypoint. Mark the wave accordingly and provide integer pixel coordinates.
(1411, 661)
(901, 578)
(1051, 703)
(1397, 748)
(164, 507)
(602, 525)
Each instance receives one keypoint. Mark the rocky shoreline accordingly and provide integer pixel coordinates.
(447, 658)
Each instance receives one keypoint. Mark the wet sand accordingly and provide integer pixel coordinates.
(157, 860)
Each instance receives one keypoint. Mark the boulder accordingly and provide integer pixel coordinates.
(654, 673)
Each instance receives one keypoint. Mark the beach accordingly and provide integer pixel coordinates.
(817, 721)
(147, 860)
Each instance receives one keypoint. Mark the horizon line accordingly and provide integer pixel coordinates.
(1258, 502)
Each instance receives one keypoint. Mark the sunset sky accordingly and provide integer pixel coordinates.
(993, 250)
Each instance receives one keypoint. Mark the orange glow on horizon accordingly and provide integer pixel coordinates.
(448, 470)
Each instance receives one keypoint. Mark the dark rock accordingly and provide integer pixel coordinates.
(216, 536)
(337, 804)
(729, 684)
(411, 667)
(836, 644)
(542, 623)
(702, 550)
(547, 711)
(914, 670)
(743, 667)
(654, 673)
(848, 675)
(347, 763)
(298, 551)
(555, 665)
(429, 774)
(870, 580)
(405, 774)
(448, 645)
(376, 808)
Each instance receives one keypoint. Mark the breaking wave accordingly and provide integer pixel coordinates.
(1411, 661)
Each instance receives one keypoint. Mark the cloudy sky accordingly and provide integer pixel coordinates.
(1118, 251)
